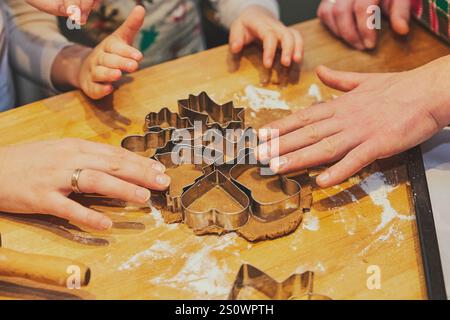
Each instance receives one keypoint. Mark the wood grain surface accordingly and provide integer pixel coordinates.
(348, 230)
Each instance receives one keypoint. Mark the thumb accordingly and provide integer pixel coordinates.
(400, 16)
(339, 80)
(128, 30)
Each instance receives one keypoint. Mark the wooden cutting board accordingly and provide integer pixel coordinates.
(365, 222)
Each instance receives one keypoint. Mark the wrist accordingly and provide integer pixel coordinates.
(439, 94)
(67, 66)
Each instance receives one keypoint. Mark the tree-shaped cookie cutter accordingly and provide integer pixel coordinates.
(299, 286)
(203, 108)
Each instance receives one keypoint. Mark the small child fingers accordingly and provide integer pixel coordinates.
(114, 61)
(104, 74)
(122, 49)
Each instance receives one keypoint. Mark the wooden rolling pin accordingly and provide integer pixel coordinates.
(43, 269)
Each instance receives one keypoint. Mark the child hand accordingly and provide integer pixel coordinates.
(65, 7)
(105, 64)
(258, 23)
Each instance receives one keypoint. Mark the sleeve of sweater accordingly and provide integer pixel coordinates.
(34, 41)
(229, 10)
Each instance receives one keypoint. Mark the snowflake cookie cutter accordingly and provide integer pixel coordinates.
(299, 286)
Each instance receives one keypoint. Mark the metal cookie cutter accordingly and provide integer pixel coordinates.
(273, 210)
(165, 119)
(179, 155)
(151, 143)
(230, 143)
(213, 217)
(296, 287)
(227, 158)
(203, 108)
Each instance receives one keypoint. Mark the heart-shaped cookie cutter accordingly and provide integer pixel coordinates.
(299, 286)
(213, 218)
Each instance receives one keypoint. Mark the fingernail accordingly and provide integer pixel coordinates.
(359, 46)
(163, 180)
(130, 65)
(369, 44)
(159, 167)
(263, 134)
(287, 61)
(323, 178)
(137, 56)
(106, 224)
(263, 152)
(143, 194)
(277, 164)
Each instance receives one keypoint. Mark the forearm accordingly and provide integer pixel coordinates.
(67, 65)
(34, 41)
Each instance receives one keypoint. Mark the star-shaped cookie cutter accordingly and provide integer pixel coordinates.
(298, 286)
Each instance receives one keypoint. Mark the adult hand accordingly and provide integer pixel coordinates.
(36, 178)
(347, 19)
(66, 8)
(258, 23)
(380, 116)
(114, 55)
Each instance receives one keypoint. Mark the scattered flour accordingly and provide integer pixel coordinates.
(159, 250)
(156, 214)
(378, 190)
(392, 232)
(310, 222)
(202, 273)
(159, 220)
(314, 91)
(260, 98)
(317, 268)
